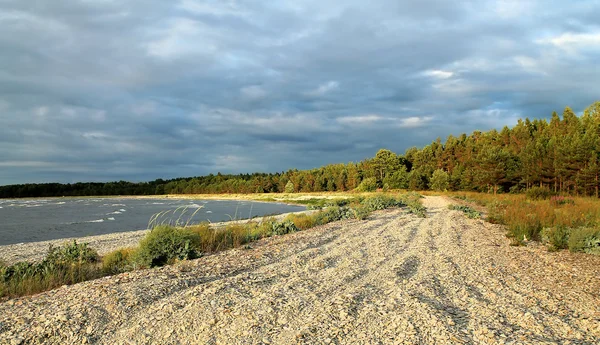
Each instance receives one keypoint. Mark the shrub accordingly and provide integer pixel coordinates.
(585, 239)
(468, 211)
(302, 221)
(67, 264)
(361, 212)
(368, 185)
(71, 253)
(165, 244)
(333, 214)
(118, 261)
(556, 237)
(282, 228)
(539, 193)
(380, 202)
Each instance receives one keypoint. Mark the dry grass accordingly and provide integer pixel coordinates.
(527, 218)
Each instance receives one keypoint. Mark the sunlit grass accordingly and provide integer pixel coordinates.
(526, 219)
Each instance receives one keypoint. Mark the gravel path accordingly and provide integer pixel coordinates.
(393, 279)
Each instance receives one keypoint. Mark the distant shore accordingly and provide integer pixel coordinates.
(34, 251)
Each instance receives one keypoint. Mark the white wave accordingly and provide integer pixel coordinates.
(158, 203)
(208, 211)
(95, 221)
(1, 207)
(123, 210)
(111, 218)
(60, 203)
(116, 212)
(114, 205)
(33, 205)
(194, 206)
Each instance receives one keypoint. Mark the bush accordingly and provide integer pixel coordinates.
(333, 214)
(282, 228)
(165, 244)
(468, 211)
(556, 237)
(302, 221)
(361, 212)
(539, 193)
(585, 240)
(67, 264)
(118, 261)
(380, 202)
(368, 185)
(71, 253)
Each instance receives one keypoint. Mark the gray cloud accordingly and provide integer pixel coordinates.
(139, 90)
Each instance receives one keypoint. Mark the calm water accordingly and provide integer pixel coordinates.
(48, 219)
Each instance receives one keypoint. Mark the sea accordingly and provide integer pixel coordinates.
(32, 220)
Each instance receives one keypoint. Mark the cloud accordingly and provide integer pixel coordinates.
(253, 92)
(358, 120)
(414, 121)
(139, 90)
(439, 74)
(325, 88)
(571, 40)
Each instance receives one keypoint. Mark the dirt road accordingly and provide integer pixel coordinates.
(393, 279)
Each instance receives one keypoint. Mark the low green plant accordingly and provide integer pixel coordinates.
(164, 244)
(282, 228)
(70, 253)
(528, 230)
(556, 237)
(381, 202)
(332, 214)
(585, 239)
(118, 261)
(63, 265)
(467, 210)
(302, 221)
(361, 212)
(539, 193)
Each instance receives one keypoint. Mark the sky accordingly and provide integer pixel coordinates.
(137, 90)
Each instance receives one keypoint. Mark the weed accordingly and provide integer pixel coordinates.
(118, 261)
(539, 193)
(164, 244)
(556, 238)
(468, 211)
(585, 240)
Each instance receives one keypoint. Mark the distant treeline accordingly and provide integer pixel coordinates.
(561, 154)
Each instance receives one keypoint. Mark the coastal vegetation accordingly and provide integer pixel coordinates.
(167, 244)
(561, 155)
(560, 222)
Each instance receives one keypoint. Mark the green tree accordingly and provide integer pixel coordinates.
(289, 187)
(440, 180)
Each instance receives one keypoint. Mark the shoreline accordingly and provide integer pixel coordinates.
(103, 244)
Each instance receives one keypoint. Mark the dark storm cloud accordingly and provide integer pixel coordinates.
(138, 90)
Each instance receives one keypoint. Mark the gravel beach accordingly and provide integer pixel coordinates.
(392, 279)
